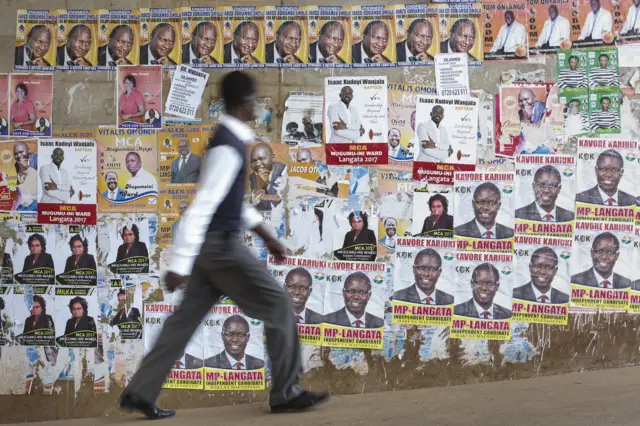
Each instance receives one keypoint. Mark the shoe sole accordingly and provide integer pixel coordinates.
(279, 410)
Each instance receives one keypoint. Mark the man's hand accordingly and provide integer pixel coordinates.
(450, 150)
(361, 130)
(121, 61)
(339, 125)
(71, 192)
(290, 59)
(429, 143)
(333, 59)
(247, 59)
(172, 281)
(206, 59)
(277, 249)
(81, 62)
(50, 186)
(39, 62)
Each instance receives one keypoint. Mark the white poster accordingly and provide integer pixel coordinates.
(452, 74)
(186, 91)
(302, 119)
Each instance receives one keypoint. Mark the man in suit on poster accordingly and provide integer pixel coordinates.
(157, 51)
(605, 251)
(298, 285)
(598, 22)
(462, 39)
(245, 42)
(121, 40)
(609, 171)
(185, 168)
(485, 281)
(427, 267)
(235, 337)
(326, 49)
(356, 293)
(263, 180)
(374, 43)
(543, 267)
(74, 52)
(546, 188)
(486, 204)
(283, 50)
(202, 44)
(419, 39)
(33, 52)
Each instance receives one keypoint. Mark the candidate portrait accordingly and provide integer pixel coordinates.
(33, 52)
(390, 231)
(546, 185)
(298, 284)
(121, 41)
(439, 219)
(266, 177)
(201, 46)
(235, 337)
(605, 251)
(511, 35)
(80, 257)
(126, 312)
(38, 256)
(374, 42)
(245, 42)
(185, 168)
(74, 52)
(162, 43)
(597, 23)
(360, 232)
(427, 267)
(80, 319)
(39, 319)
(344, 119)
(356, 293)
(113, 191)
(131, 246)
(485, 282)
(555, 29)
(285, 47)
(609, 171)
(462, 38)
(418, 42)
(543, 267)
(326, 50)
(486, 204)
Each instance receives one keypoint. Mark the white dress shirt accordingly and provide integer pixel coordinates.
(183, 161)
(633, 20)
(600, 279)
(554, 31)
(301, 315)
(352, 319)
(394, 152)
(596, 24)
(50, 172)
(29, 187)
(142, 182)
(339, 111)
(509, 37)
(221, 166)
(605, 197)
(543, 213)
(388, 241)
(484, 230)
(112, 195)
(481, 310)
(439, 135)
(151, 57)
(538, 294)
(423, 296)
(234, 362)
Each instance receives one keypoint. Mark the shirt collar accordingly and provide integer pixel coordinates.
(302, 316)
(234, 55)
(600, 278)
(482, 229)
(239, 129)
(605, 197)
(192, 54)
(319, 54)
(537, 293)
(109, 58)
(481, 310)
(422, 295)
(67, 58)
(151, 57)
(364, 54)
(233, 361)
(276, 55)
(543, 213)
(353, 319)
(408, 51)
(186, 157)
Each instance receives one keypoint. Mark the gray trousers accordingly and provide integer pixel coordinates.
(226, 266)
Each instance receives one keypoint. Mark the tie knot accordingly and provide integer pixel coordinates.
(298, 319)
(610, 201)
(548, 217)
(487, 234)
(239, 366)
(358, 323)
(606, 284)
(543, 298)
(428, 300)
(485, 314)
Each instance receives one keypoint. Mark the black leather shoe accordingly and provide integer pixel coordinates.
(302, 402)
(130, 402)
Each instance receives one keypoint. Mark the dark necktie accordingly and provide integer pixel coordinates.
(239, 366)
(548, 217)
(178, 364)
(611, 201)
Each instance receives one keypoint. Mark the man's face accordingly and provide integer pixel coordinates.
(128, 236)
(376, 41)
(57, 157)
(508, 18)
(76, 310)
(133, 163)
(604, 255)
(36, 309)
(543, 268)
(546, 188)
(205, 41)
(331, 41)
(262, 159)
(289, 40)
(35, 247)
(526, 100)
(121, 44)
(299, 289)
(182, 207)
(293, 130)
(390, 227)
(426, 272)
(463, 39)
(437, 114)
(604, 104)
(485, 207)
(419, 40)
(183, 147)
(235, 337)
(39, 43)
(394, 138)
(595, 5)
(21, 152)
(553, 13)
(484, 286)
(346, 95)
(304, 156)
(162, 44)
(112, 182)
(573, 64)
(81, 45)
(356, 293)
(247, 41)
(77, 248)
(609, 171)
(604, 61)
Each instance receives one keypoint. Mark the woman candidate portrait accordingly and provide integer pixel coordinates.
(80, 319)
(131, 246)
(80, 257)
(23, 113)
(360, 232)
(39, 319)
(38, 257)
(131, 103)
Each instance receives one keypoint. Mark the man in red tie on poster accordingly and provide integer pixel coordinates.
(485, 281)
(235, 336)
(486, 204)
(298, 285)
(605, 250)
(356, 293)
(609, 171)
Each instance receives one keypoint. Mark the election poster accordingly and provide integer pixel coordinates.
(545, 195)
(354, 305)
(542, 279)
(185, 93)
(634, 291)
(127, 168)
(604, 112)
(505, 31)
(125, 299)
(286, 41)
(549, 27)
(244, 36)
(32, 264)
(31, 107)
(202, 37)
(607, 180)
(267, 176)
(357, 116)
(311, 225)
(310, 179)
(572, 72)
(394, 191)
(373, 36)
(187, 371)
(311, 154)
(627, 26)
(74, 134)
(33, 315)
(67, 180)
(304, 283)
(602, 265)
(78, 309)
(36, 40)
(19, 172)
(576, 114)
(123, 243)
(433, 213)
(302, 120)
(173, 203)
(521, 104)
(391, 226)
(354, 233)
(461, 31)
(118, 38)
(234, 356)
(139, 97)
(484, 214)
(592, 24)
(4, 105)
(452, 74)
(6, 315)
(602, 70)
(329, 36)
(417, 35)
(181, 153)
(446, 138)
(424, 281)
(77, 41)
(78, 257)
(483, 298)
(160, 43)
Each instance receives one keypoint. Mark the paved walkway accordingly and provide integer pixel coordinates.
(606, 397)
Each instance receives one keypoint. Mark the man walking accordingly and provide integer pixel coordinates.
(210, 254)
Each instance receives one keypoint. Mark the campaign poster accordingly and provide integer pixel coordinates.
(127, 170)
(355, 234)
(604, 112)
(125, 300)
(373, 36)
(173, 203)
(304, 283)
(67, 180)
(602, 70)
(123, 243)
(572, 72)
(592, 24)
(576, 114)
(545, 195)
(329, 36)
(311, 223)
(542, 280)
(357, 120)
(33, 315)
(505, 31)
(31, 107)
(181, 154)
(78, 309)
(484, 214)
(417, 35)
(394, 191)
(607, 181)
(139, 98)
(187, 371)
(74, 133)
(79, 257)
(433, 213)
(4, 105)
(244, 36)
(286, 40)
(202, 37)
(354, 305)
(234, 356)
(310, 179)
(627, 26)
(483, 298)
(602, 267)
(6, 315)
(19, 172)
(6, 271)
(549, 27)
(160, 43)
(36, 40)
(424, 282)
(310, 154)
(634, 291)
(521, 104)
(77, 41)
(32, 263)
(302, 120)
(267, 176)
(119, 38)
(446, 138)
(461, 31)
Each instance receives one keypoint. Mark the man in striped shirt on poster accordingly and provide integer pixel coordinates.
(603, 76)
(572, 77)
(604, 118)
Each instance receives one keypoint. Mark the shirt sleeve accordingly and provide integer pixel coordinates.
(250, 216)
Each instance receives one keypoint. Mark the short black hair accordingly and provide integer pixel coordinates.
(417, 22)
(291, 125)
(41, 302)
(285, 24)
(243, 24)
(302, 272)
(76, 29)
(131, 78)
(82, 301)
(359, 275)
(162, 26)
(370, 25)
(24, 88)
(200, 26)
(134, 153)
(428, 252)
(486, 185)
(134, 229)
(442, 199)
(510, 12)
(603, 54)
(546, 250)
(363, 215)
(487, 266)
(606, 234)
(117, 28)
(43, 241)
(573, 57)
(459, 22)
(236, 318)
(236, 87)
(329, 24)
(603, 98)
(547, 168)
(84, 242)
(36, 28)
(610, 153)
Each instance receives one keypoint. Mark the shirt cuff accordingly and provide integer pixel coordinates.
(250, 217)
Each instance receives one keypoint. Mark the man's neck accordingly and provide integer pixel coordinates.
(357, 316)
(487, 226)
(236, 357)
(298, 310)
(485, 306)
(437, 123)
(609, 193)
(546, 208)
(346, 104)
(606, 276)
(542, 290)
(136, 173)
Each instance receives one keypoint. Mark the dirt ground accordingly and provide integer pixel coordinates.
(605, 397)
